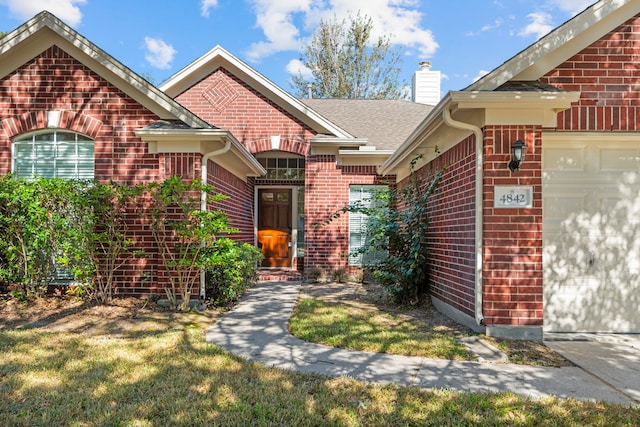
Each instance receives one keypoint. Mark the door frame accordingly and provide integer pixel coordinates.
(294, 215)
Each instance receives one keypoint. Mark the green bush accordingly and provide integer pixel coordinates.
(43, 223)
(232, 271)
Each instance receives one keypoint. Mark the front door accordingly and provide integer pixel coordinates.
(274, 226)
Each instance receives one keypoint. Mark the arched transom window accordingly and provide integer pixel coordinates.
(53, 154)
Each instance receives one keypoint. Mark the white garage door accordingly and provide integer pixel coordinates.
(591, 232)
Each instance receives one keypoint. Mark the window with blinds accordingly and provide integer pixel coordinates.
(53, 154)
(365, 195)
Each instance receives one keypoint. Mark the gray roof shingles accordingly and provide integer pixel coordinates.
(386, 123)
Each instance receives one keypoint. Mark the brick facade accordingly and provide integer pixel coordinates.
(607, 76)
(512, 259)
(327, 191)
(229, 103)
(451, 235)
(92, 106)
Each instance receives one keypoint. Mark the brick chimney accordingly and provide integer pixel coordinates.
(425, 85)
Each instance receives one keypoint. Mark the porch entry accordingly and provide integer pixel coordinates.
(275, 226)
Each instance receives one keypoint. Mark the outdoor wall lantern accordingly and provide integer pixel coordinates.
(518, 150)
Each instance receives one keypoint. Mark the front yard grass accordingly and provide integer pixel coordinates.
(358, 328)
(360, 317)
(171, 376)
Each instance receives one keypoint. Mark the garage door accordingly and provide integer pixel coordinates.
(591, 232)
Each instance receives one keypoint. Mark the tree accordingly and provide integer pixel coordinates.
(182, 233)
(346, 63)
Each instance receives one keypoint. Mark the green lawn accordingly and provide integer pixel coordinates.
(173, 377)
(362, 328)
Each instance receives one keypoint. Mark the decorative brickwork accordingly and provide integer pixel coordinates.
(250, 116)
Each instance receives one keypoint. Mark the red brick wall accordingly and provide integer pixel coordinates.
(512, 278)
(451, 234)
(326, 192)
(239, 206)
(607, 75)
(90, 105)
(228, 103)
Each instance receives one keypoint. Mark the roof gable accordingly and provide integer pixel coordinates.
(560, 44)
(45, 30)
(218, 57)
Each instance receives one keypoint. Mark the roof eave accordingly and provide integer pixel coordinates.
(103, 64)
(560, 44)
(503, 107)
(195, 140)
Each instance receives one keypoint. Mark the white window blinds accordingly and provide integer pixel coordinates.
(365, 196)
(53, 154)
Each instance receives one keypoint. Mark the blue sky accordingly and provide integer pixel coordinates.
(463, 39)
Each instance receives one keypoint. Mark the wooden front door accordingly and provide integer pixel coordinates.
(274, 226)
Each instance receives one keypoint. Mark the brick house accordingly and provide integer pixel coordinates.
(285, 166)
(549, 243)
(555, 244)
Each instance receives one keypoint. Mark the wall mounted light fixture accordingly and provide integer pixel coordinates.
(518, 151)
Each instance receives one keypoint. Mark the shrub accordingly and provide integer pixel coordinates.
(314, 274)
(396, 230)
(182, 232)
(44, 224)
(340, 275)
(232, 269)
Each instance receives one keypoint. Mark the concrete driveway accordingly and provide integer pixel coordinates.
(612, 358)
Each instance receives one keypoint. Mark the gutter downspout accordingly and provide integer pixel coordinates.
(446, 116)
(203, 200)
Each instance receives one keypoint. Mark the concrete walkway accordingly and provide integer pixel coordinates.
(256, 329)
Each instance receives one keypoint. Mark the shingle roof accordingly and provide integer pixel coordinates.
(385, 122)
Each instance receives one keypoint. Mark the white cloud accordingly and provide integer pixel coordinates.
(295, 67)
(159, 53)
(540, 25)
(206, 5)
(287, 24)
(571, 6)
(480, 75)
(67, 10)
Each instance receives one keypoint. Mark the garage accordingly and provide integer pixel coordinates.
(591, 231)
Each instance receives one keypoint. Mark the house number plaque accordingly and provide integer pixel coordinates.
(517, 196)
